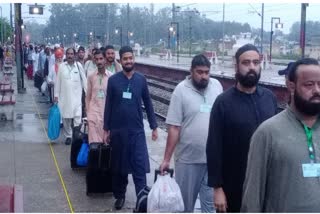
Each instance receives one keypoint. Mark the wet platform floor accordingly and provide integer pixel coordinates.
(26, 158)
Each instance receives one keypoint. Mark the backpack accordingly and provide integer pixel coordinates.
(142, 198)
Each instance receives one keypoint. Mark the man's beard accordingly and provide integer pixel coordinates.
(200, 85)
(100, 66)
(110, 60)
(306, 107)
(128, 69)
(248, 80)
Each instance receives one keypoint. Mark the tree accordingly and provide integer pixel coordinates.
(312, 29)
(7, 31)
(33, 32)
(148, 28)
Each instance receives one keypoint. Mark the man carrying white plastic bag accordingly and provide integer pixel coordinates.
(165, 196)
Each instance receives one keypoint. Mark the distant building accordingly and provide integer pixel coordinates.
(228, 44)
(312, 48)
(242, 39)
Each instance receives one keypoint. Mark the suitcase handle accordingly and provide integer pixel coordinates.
(158, 172)
(85, 126)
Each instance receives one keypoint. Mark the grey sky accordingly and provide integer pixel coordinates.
(240, 12)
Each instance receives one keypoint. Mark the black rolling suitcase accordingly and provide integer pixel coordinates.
(78, 137)
(99, 176)
(38, 80)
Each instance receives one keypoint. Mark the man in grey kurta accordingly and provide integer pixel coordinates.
(277, 179)
(188, 124)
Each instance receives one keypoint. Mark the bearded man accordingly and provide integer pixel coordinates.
(235, 115)
(123, 125)
(111, 64)
(189, 109)
(283, 163)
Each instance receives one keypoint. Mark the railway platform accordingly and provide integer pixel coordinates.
(268, 75)
(43, 170)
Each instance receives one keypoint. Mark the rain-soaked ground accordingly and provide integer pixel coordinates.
(27, 158)
(43, 169)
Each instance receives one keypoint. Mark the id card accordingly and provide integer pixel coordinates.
(205, 108)
(100, 94)
(311, 170)
(127, 95)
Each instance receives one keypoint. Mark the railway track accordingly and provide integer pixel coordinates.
(160, 92)
(170, 82)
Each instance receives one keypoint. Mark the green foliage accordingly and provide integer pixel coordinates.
(33, 31)
(147, 27)
(291, 56)
(6, 28)
(312, 29)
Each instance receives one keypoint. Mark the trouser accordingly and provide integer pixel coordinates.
(1, 64)
(51, 92)
(67, 125)
(193, 180)
(120, 182)
(95, 130)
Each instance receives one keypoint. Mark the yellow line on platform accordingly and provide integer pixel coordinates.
(54, 157)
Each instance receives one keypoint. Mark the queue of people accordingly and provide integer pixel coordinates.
(232, 148)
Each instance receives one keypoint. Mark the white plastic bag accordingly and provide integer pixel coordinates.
(165, 196)
(44, 87)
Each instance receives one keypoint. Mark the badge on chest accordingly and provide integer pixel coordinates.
(127, 95)
(311, 170)
(100, 94)
(205, 108)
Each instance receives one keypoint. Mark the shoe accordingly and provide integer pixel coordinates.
(68, 141)
(119, 203)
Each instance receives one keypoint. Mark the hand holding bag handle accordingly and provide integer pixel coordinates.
(158, 172)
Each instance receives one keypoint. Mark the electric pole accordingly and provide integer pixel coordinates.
(190, 35)
(223, 34)
(128, 24)
(11, 24)
(303, 27)
(262, 20)
(173, 12)
(106, 37)
(18, 45)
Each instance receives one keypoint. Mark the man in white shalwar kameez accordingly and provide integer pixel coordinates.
(68, 92)
(35, 60)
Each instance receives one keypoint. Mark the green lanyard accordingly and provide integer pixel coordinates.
(100, 79)
(309, 142)
(205, 99)
(111, 68)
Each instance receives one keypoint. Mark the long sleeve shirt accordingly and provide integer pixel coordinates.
(274, 178)
(68, 88)
(96, 95)
(234, 117)
(122, 113)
